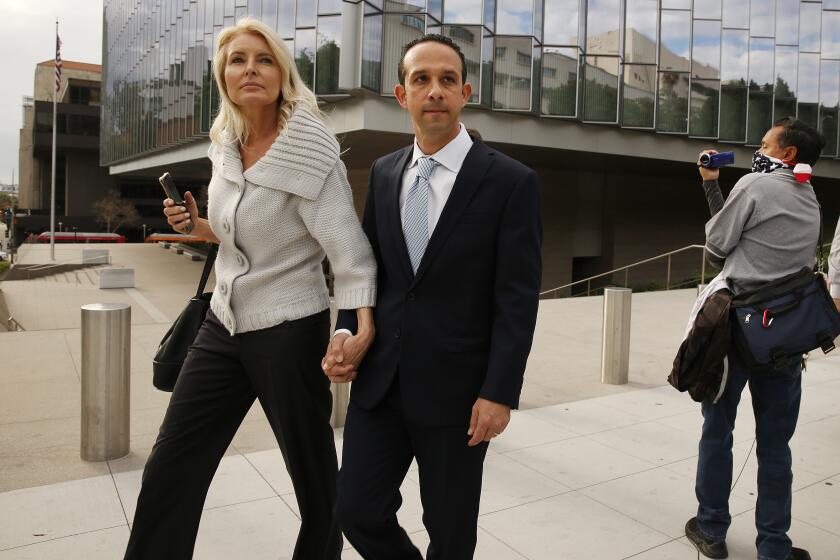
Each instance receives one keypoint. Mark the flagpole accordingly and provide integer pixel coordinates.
(52, 180)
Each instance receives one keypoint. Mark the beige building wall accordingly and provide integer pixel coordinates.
(27, 195)
(45, 78)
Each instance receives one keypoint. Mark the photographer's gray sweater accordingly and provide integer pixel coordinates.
(767, 228)
(276, 220)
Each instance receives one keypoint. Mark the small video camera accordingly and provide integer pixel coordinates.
(714, 161)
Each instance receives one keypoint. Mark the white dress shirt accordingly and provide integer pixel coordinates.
(449, 158)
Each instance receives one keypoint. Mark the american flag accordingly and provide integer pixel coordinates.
(57, 63)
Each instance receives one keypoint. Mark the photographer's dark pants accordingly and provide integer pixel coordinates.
(775, 401)
(221, 377)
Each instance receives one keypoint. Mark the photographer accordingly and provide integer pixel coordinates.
(766, 229)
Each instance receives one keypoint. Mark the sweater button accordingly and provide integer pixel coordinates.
(223, 288)
(240, 260)
(226, 227)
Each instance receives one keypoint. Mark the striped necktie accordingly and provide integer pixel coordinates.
(416, 218)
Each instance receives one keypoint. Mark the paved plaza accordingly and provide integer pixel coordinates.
(584, 471)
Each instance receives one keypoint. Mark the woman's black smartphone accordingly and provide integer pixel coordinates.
(170, 189)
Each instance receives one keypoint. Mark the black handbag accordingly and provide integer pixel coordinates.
(173, 348)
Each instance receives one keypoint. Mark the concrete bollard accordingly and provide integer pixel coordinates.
(106, 387)
(615, 354)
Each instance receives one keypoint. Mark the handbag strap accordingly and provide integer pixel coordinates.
(208, 266)
(820, 264)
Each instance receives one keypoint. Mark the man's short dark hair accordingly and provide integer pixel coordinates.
(808, 141)
(442, 39)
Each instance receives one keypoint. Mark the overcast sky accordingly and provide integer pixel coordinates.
(27, 37)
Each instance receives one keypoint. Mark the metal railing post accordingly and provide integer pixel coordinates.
(615, 352)
(106, 387)
(627, 277)
(668, 278)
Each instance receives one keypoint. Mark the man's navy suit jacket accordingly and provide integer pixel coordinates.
(462, 327)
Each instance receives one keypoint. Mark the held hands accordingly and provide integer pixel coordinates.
(707, 173)
(181, 218)
(489, 419)
(343, 356)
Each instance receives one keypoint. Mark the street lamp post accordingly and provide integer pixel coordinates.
(144, 233)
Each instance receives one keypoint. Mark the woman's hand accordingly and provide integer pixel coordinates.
(708, 173)
(181, 218)
(345, 352)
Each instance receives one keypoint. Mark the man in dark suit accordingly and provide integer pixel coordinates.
(455, 227)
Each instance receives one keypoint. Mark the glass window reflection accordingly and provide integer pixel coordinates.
(759, 116)
(733, 113)
(399, 30)
(372, 52)
(490, 15)
(515, 17)
(831, 35)
(705, 50)
(809, 87)
(562, 22)
(672, 108)
(600, 91)
(784, 103)
(462, 11)
(736, 14)
(305, 13)
(640, 31)
(762, 18)
(703, 113)
(829, 103)
(603, 26)
(674, 41)
(512, 83)
(810, 16)
(305, 55)
(734, 63)
(676, 4)
(707, 9)
(560, 68)
(469, 38)
(404, 5)
(761, 64)
(326, 7)
(488, 52)
(787, 22)
(639, 91)
(328, 54)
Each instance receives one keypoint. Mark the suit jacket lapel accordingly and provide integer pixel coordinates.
(391, 233)
(469, 178)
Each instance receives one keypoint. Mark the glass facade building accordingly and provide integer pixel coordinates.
(712, 69)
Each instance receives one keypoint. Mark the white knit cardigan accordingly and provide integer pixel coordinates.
(275, 222)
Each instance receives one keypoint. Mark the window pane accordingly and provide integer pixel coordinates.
(707, 9)
(787, 22)
(639, 95)
(809, 27)
(515, 17)
(640, 31)
(831, 35)
(399, 30)
(761, 64)
(672, 113)
(305, 13)
(469, 40)
(705, 95)
(435, 9)
(762, 18)
(677, 4)
(705, 52)
(305, 55)
(786, 66)
(559, 81)
(736, 14)
(734, 58)
(405, 5)
(372, 53)
(489, 15)
(674, 41)
(600, 93)
(488, 52)
(512, 83)
(562, 22)
(760, 116)
(327, 57)
(831, 4)
(324, 6)
(829, 102)
(603, 24)
(462, 11)
(733, 113)
(286, 18)
(809, 87)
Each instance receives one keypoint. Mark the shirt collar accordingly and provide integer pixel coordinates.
(452, 155)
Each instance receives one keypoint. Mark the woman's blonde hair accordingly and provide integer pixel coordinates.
(293, 91)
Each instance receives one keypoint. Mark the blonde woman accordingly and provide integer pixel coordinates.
(278, 201)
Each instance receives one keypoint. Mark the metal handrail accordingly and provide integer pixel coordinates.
(627, 268)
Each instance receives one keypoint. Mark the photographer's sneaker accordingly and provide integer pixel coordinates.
(798, 554)
(707, 547)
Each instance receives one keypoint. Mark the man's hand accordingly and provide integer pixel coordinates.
(837, 304)
(343, 356)
(489, 419)
(708, 174)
